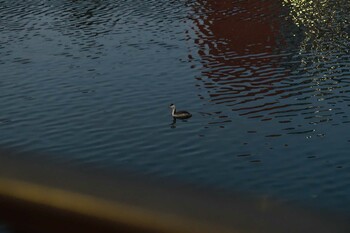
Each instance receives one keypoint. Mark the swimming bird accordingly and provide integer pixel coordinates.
(179, 114)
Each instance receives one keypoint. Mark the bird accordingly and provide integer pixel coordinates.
(179, 114)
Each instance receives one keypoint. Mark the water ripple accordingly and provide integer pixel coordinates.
(267, 83)
(246, 72)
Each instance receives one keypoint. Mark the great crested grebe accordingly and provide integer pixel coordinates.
(179, 114)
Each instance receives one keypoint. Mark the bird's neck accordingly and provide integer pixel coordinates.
(173, 111)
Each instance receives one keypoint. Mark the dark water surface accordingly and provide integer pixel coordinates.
(267, 82)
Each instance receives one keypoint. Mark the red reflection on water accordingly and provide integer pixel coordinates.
(237, 41)
(241, 24)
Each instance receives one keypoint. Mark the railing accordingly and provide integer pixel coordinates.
(37, 196)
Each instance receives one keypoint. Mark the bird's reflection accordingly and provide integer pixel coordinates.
(173, 124)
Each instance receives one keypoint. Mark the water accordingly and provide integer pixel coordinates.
(3, 229)
(267, 82)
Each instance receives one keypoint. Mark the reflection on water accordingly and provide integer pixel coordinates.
(325, 47)
(263, 67)
(267, 83)
(173, 123)
(325, 25)
(237, 50)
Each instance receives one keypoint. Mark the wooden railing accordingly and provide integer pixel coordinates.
(36, 196)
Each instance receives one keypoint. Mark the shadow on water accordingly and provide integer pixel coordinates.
(282, 62)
